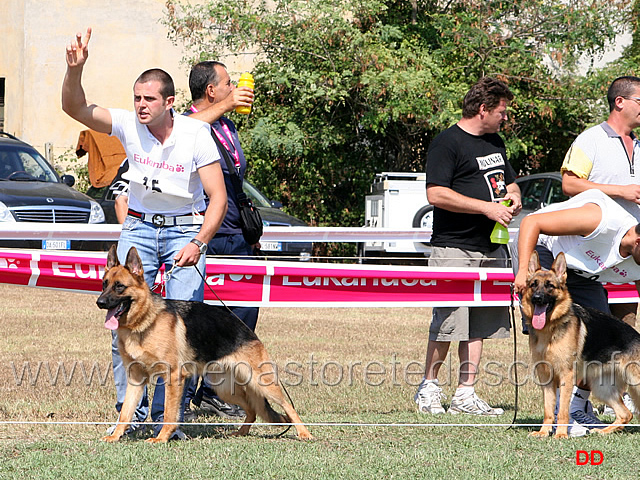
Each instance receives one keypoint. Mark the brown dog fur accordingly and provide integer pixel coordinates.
(174, 339)
(577, 343)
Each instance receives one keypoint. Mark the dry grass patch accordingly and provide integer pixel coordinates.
(345, 366)
(338, 364)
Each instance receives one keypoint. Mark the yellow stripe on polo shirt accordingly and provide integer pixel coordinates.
(577, 162)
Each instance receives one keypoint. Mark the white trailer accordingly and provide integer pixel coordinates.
(397, 200)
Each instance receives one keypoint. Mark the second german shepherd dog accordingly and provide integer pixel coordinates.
(569, 343)
(175, 339)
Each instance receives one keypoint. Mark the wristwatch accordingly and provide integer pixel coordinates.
(201, 246)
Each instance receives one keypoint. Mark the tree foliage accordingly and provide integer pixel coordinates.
(346, 89)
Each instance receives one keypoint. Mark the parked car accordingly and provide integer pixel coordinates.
(32, 191)
(272, 216)
(538, 190)
(269, 211)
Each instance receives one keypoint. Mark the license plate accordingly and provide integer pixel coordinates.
(56, 244)
(271, 246)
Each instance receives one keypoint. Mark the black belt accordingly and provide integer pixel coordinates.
(160, 220)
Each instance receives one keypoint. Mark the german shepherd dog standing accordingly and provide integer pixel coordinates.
(174, 339)
(569, 343)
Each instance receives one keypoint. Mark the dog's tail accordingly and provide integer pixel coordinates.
(267, 413)
(273, 416)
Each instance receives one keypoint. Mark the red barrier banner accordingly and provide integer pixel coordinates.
(290, 284)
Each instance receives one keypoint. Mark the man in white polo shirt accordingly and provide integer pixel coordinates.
(173, 162)
(604, 157)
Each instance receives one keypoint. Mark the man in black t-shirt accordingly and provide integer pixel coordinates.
(468, 174)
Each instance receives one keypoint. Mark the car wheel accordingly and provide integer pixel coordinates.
(424, 219)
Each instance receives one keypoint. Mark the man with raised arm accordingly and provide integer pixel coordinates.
(173, 162)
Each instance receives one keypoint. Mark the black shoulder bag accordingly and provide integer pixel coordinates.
(250, 219)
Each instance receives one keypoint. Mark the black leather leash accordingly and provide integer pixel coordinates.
(232, 313)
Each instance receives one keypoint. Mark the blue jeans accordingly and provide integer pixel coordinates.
(157, 246)
(235, 244)
(226, 244)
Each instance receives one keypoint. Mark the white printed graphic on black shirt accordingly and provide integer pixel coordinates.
(496, 183)
(490, 161)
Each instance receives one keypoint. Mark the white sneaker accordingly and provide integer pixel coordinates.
(473, 405)
(428, 399)
(587, 420)
(575, 430)
(607, 411)
(628, 402)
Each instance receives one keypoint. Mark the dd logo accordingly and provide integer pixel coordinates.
(595, 457)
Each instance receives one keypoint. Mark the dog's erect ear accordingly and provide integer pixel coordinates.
(534, 263)
(134, 264)
(560, 266)
(112, 258)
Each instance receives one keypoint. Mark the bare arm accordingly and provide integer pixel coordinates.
(121, 206)
(240, 96)
(74, 102)
(572, 221)
(213, 182)
(447, 199)
(573, 185)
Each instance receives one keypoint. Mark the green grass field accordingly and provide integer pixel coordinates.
(350, 372)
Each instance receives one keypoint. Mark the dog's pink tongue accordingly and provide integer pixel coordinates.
(539, 316)
(111, 322)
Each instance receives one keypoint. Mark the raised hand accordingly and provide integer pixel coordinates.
(78, 50)
(242, 96)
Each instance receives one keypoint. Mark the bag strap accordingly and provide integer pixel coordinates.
(241, 197)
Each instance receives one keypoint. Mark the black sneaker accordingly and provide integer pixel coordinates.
(177, 435)
(222, 409)
(189, 415)
(132, 430)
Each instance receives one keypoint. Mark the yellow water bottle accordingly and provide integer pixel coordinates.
(246, 80)
(500, 233)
